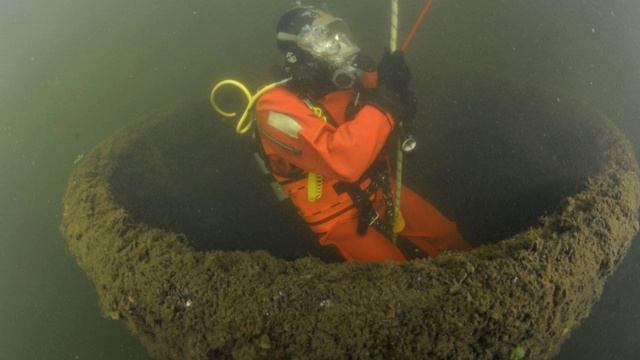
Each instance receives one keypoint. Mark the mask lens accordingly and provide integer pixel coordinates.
(329, 42)
(332, 46)
(316, 40)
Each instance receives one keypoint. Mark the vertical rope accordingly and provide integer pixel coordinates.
(393, 45)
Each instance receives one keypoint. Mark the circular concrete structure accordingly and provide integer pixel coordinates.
(148, 216)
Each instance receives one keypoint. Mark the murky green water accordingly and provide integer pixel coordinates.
(71, 72)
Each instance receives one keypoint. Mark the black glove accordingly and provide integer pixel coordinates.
(393, 71)
(401, 105)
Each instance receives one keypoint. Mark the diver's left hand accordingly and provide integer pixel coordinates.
(401, 105)
(393, 71)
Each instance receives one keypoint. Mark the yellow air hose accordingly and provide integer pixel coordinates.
(314, 181)
(245, 122)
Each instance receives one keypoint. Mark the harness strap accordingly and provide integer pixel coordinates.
(362, 203)
(367, 215)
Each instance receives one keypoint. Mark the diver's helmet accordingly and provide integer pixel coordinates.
(311, 40)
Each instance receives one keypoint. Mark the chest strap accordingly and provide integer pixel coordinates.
(361, 201)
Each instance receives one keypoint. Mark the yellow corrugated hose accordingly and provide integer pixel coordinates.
(245, 122)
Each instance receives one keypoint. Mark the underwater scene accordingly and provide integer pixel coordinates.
(362, 179)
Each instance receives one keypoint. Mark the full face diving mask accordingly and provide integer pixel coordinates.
(328, 39)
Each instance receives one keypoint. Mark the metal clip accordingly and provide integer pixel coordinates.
(374, 219)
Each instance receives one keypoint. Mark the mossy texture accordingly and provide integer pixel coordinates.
(518, 298)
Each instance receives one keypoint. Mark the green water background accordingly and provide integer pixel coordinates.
(72, 72)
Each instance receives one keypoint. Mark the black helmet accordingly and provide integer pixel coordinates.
(317, 44)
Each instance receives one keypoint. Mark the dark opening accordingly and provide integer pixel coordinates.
(494, 158)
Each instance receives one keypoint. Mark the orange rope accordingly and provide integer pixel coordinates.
(416, 25)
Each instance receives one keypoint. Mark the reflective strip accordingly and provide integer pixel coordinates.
(277, 142)
(285, 124)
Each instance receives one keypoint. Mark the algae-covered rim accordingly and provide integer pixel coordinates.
(523, 295)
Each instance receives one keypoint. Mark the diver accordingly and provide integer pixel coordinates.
(323, 137)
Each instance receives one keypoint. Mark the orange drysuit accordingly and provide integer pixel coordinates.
(297, 138)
